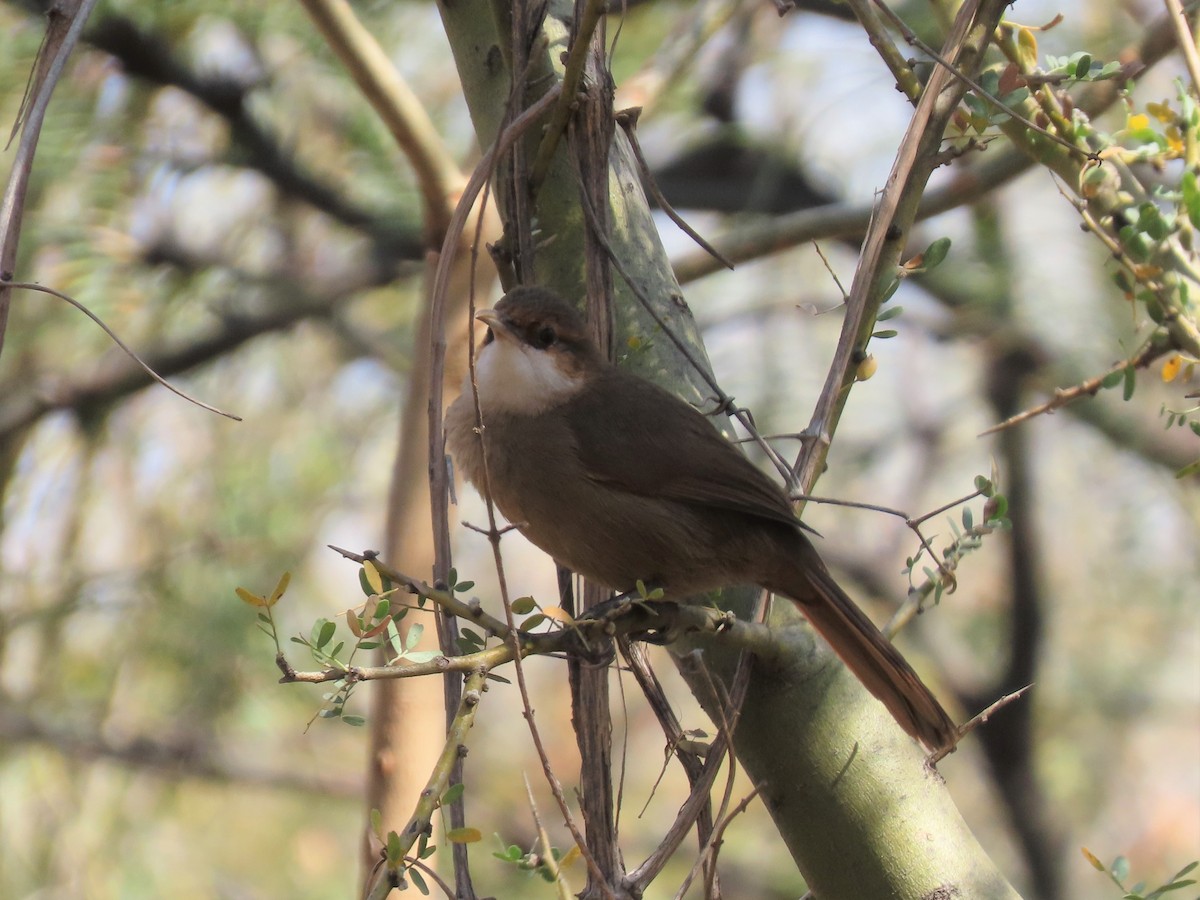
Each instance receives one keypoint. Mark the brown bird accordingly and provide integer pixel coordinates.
(620, 480)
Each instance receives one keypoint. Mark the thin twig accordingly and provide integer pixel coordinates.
(30, 286)
(980, 719)
(57, 47)
(627, 119)
(564, 891)
(1089, 387)
(432, 873)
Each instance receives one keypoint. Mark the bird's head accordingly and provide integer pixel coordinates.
(536, 355)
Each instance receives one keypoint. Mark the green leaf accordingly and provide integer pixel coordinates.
(891, 289)
(1184, 871)
(377, 824)
(469, 640)
(935, 253)
(885, 333)
(1130, 382)
(415, 631)
(453, 793)
(1083, 66)
(967, 518)
(523, 605)
(394, 851)
(323, 632)
(424, 848)
(532, 622)
(1120, 868)
(1191, 197)
(356, 721)
(890, 313)
(510, 854)
(984, 485)
(1112, 379)
(394, 638)
(463, 586)
(415, 876)
(382, 608)
(1192, 468)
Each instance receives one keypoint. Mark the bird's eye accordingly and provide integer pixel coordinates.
(489, 337)
(544, 337)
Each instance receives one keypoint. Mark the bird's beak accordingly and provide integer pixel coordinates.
(494, 321)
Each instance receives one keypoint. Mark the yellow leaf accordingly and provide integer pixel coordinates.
(558, 614)
(252, 599)
(866, 368)
(1137, 122)
(1027, 44)
(1091, 857)
(1161, 111)
(570, 857)
(464, 835)
(1170, 369)
(1174, 140)
(373, 577)
(280, 586)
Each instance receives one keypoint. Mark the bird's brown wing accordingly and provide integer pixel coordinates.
(622, 418)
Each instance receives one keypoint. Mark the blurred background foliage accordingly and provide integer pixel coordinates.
(211, 184)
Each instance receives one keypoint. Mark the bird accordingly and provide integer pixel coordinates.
(621, 481)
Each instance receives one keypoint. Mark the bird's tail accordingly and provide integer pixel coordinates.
(867, 653)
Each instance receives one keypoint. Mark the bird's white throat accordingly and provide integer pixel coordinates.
(516, 378)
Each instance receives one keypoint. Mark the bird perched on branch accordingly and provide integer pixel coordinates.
(622, 481)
